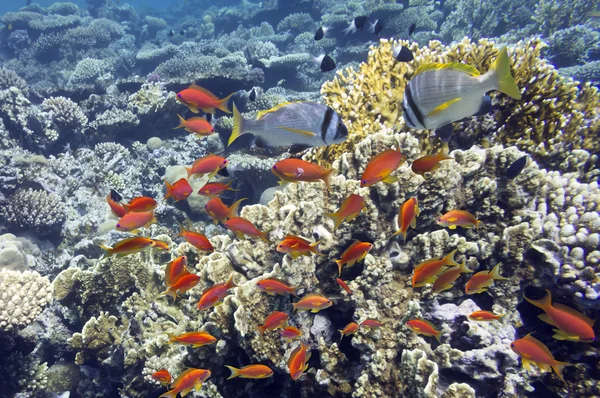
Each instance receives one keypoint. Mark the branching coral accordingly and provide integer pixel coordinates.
(38, 210)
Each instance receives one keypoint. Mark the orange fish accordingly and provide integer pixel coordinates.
(428, 163)
(294, 170)
(407, 217)
(354, 254)
(485, 316)
(291, 333)
(446, 280)
(458, 218)
(275, 320)
(212, 189)
(427, 271)
(196, 239)
(181, 285)
(296, 246)
(218, 211)
(139, 204)
(313, 303)
(197, 125)
(196, 97)
(570, 324)
(241, 227)
(175, 270)
(276, 286)
(343, 285)
(531, 350)
(426, 328)
(215, 294)
(133, 221)
(481, 281)
(116, 208)
(350, 328)
(298, 361)
(160, 245)
(127, 246)
(210, 164)
(180, 190)
(188, 380)
(350, 209)
(255, 371)
(381, 166)
(195, 339)
(163, 377)
(371, 323)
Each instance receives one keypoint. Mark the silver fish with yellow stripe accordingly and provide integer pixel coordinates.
(439, 94)
(292, 124)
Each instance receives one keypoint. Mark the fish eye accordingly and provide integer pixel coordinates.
(363, 182)
(274, 167)
(118, 225)
(225, 161)
(179, 95)
(512, 345)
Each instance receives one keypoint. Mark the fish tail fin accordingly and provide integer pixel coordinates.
(543, 303)
(181, 123)
(340, 264)
(401, 232)
(314, 248)
(295, 306)
(450, 259)
(169, 189)
(463, 268)
(235, 372)
(189, 172)
(234, 208)
(438, 336)
(327, 177)
(169, 394)
(477, 222)
(294, 291)
(337, 219)
(108, 251)
(230, 283)
(495, 272)
(264, 236)
(341, 334)
(181, 230)
(559, 367)
(170, 293)
(506, 82)
(372, 26)
(349, 29)
(172, 338)
(229, 188)
(261, 329)
(224, 103)
(238, 124)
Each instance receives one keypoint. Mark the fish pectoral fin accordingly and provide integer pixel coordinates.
(413, 223)
(193, 109)
(526, 364)
(546, 318)
(214, 173)
(390, 179)
(440, 108)
(305, 133)
(186, 391)
(295, 255)
(560, 335)
(452, 219)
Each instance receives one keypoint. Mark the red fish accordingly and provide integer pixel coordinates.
(256, 371)
(212, 189)
(294, 170)
(350, 328)
(175, 270)
(296, 246)
(214, 295)
(291, 333)
(458, 218)
(127, 246)
(160, 245)
(196, 97)
(428, 163)
(350, 209)
(426, 328)
(485, 316)
(371, 323)
(276, 286)
(407, 217)
(241, 227)
(481, 281)
(195, 339)
(218, 211)
(180, 190)
(196, 125)
(139, 204)
(188, 380)
(343, 285)
(446, 280)
(428, 271)
(275, 320)
(298, 361)
(182, 285)
(196, 239)
(133, 221)
(381, 167)
(313, 303)
(116, 208)
(531, 350)
(210, 164)
(354, 254)
(163, 377)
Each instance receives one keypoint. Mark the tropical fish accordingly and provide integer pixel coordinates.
(294, 170)
(181, 285)
(447, 278)
(350, 209)
(439, 94)
(252, 95)
(212, 189)
(215, 294)
(197, 125)
(140, 204)
(407, 216)
(298, 361)
(296, 247)
(160, 245)
(371, 323)
(218, 211)
(196, 97)
(350, 328)
(322, 32)
(133, 221)
(276, 286)
(171, 33)
(377, 27)
(312, 302)
(180, 189)
(115, 207)
(182, 33)
(343, 285)
(196, 239)
(402, 53)
(163, 377)
(531, 350)
(241, 227)
(292, 124)
(426, 328)
(570, 324)
(175, 270)
(428, 163)
(485, 316)
(411, 28)
(275, 320)
(291, 333)
(353, 254)
(481, 281)
(195, 339)
(255, 371)
(325, 63)
(380, 167)
(210, 164)
(458, 218)
(188, 380)
(127, 246)
(357, 23)
(516, 167)
(427, 271)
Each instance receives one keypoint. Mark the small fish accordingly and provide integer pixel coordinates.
(322, 32)
(160, 245)
(402, 53)
(241, 227)
(182, 285)
(349, 329)
(313, 303)
(343, 285)
(180, 189)
(516, 167)
(593, 14)
(531, 350)
(380, 167)
(195, 339)
(116, 208)
(447, 278)
(357, 23)
(255, 371)
(570, 324)
(163, 377)
(182, 33)
(325, 63)
(127, 246)
(427, 271)
(175, 270)
(439, 94)
(252, 96)
(275, 320)
(295, 170)
(371, 323)
(428, 163)
(407, 216)
(171, 33)
(276, 286)
(350, 209)
(426, 328)
(196, 239)
(291, 333)
(481, 281)
(292, 124)
(444, 133)
(10, 26)
(190, 379)
(140, 204)
(197, 125)
(212, 189)
(296, 247)
(353, 254)
(218, 211)
(411, 28)
(210, 164)
(485, 316)
(196, 97)
(458, 218)
(215, 294)
(133, 221)
(376, 27)
(298, 361)
(114, 195)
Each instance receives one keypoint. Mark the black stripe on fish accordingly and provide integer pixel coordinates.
(407, 117)
(411, 103)
(326, 122)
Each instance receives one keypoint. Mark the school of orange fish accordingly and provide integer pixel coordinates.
(441, 272)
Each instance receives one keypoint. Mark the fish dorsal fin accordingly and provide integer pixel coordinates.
(182, 376)
(573, 312)
(261, 114)
(298, 131)
(468, 69)
(538, 344)
(442, 107)
(202, 89)
(352, 246)
(299, 238)
(431, 325)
